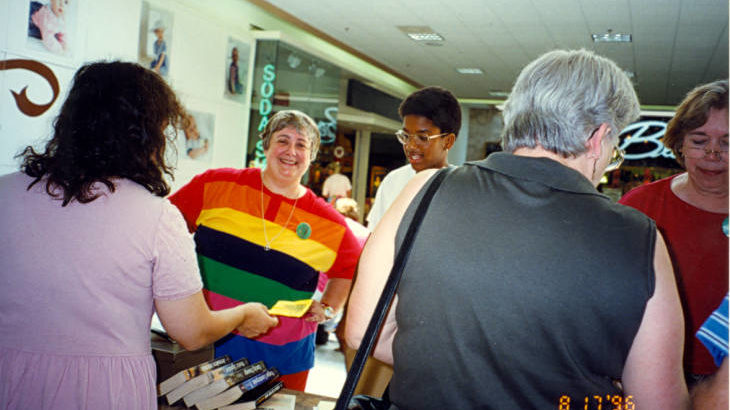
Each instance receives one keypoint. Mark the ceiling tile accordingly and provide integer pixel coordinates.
(676, 43)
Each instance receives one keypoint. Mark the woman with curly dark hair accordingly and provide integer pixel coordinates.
(91, 248)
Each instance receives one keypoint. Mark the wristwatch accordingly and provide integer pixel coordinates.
(329, 311)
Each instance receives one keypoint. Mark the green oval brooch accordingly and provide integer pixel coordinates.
(304, 230)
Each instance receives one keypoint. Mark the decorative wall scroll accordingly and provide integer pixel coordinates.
(24, 104)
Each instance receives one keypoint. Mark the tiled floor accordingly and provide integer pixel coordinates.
(328, 374)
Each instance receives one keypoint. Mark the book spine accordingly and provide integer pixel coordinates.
(227, 370)
(235, 367)
(245, 373)
(240, 364)
(258, 379)
(208, 366)
(252, 369)
(270, 392)
(183, 376)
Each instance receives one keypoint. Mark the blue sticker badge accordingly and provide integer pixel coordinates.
(304, 230)
(724, 227)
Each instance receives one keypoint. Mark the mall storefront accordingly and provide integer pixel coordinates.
(356, 121)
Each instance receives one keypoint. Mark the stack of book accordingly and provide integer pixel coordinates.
(222, 384)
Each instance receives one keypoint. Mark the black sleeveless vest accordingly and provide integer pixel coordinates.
(524, 290)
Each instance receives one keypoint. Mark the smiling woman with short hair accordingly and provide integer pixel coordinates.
(262, 236)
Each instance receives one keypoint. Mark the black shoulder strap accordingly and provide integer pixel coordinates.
(391, 285)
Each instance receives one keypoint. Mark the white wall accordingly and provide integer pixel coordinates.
(109, 29)
(457, 153)
(198, 38)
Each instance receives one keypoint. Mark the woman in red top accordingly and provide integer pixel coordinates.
(691, 211)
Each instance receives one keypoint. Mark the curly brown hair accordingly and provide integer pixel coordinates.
(112, 125)
(693, 112)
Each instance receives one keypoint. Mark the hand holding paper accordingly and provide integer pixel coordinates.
(291, 308)
(256, 320)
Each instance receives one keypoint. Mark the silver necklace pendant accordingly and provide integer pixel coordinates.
(268, 242)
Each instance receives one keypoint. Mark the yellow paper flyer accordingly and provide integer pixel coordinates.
(291, 308)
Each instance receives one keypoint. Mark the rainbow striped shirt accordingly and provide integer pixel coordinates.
(223, 208)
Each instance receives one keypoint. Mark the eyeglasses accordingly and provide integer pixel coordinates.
(695, 152)
(617, 158)
(422, 140)
(617, 155)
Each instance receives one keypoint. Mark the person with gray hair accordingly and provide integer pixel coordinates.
(262, 236)
(540, 292)
(554, 107)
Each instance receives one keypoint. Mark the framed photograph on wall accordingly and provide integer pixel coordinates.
(155, 38)
(237, 57)
(45, 30)
(196, 141)
(191, 153)
(48, 28)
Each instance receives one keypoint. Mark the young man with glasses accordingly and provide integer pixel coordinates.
(431, 122)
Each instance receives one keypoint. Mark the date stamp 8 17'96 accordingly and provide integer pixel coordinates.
(596, 402)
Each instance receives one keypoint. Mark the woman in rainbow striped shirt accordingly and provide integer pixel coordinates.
(262, 236)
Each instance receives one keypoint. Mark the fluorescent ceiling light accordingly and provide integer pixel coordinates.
(611, 37)
(421, 33)
(469, 70)
(499, 93)
(646, 113)
(425, 36)
(305, 98)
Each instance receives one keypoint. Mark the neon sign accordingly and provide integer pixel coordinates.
(267, 93)
(637, 131)
(259, 160)
(265, 107)
(327, 129)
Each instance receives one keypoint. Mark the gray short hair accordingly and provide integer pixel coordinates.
(560, 98)
(303, 123)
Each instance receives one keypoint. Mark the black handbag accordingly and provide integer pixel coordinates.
(345, 400)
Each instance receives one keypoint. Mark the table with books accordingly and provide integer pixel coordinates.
(200, 381)
(304, 401)
(224, 384)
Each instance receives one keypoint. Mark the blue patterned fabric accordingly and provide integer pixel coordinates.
(714, 334)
